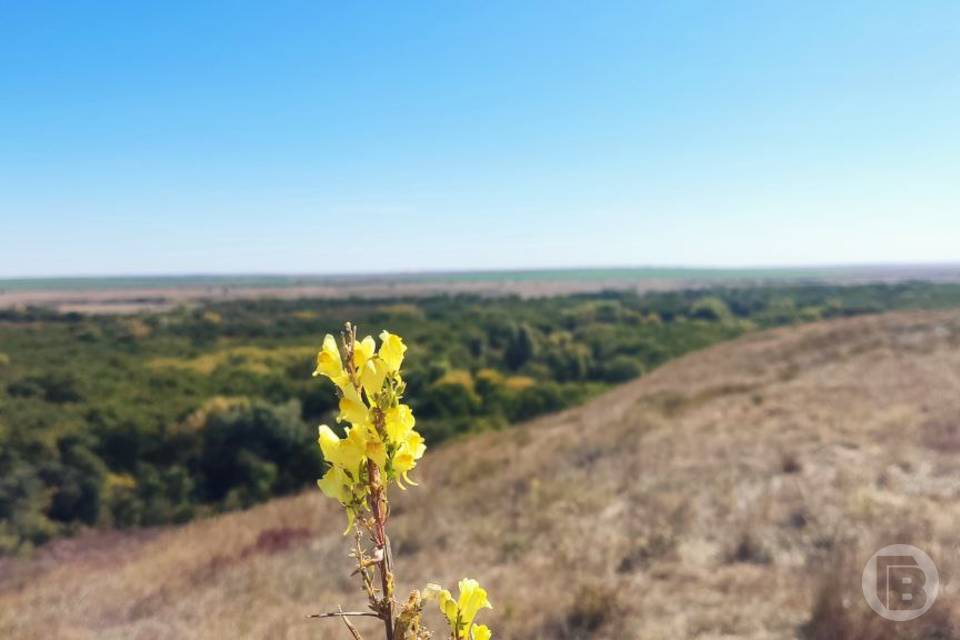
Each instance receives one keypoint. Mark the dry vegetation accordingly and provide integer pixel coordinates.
(734, 493)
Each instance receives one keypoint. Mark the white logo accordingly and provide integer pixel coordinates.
(900, 582)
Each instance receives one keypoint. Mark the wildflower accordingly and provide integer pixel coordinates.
(352, 407)
(336, 484)
(481, 632)
(373, 446)
(399, 422)
(406, 455)
(329, 363)
(346, 454)
(473, 597)
(391, 350)
(460, 613)
(372, 376)
(363, 351)
(379, 445)
(448, 606)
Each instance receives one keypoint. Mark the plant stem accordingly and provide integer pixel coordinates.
(376, 499)
(380, 539)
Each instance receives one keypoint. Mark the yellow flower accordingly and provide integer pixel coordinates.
(405, 457)
(415, 444)
(391, 351)
(357, 444)
(374, 448)
(336, 485)
(473, 597)
(372, 375)
(448, 606)
(399, 422)
(352, 407)
(329, 443)
(363, 351)
(347, 454)
(461, 612)
(329, 363)
(481, 632)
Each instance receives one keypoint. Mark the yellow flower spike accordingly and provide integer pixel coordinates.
(399, 422)
(391, 351)
(373, 385)
(481, 632)
(363, 351)
(352, 408)
(372, 375)
(329, 363)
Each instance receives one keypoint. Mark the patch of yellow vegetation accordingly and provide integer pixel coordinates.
(215, 405)
(121, 481)
(490, 375)
(257, 360)
(4, 359)
(519, 383)
(461, 377)
(138, 328)
(403, 309)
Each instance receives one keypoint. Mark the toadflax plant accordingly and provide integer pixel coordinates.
(381, 446)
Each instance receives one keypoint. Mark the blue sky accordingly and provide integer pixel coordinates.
(322, 137)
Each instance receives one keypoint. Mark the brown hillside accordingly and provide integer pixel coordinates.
(712, 499)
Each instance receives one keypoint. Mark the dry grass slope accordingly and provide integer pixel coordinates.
(735, 493)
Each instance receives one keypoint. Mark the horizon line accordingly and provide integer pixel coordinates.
(826, 266)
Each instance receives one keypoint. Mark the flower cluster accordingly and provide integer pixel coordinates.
(381, 429)
(380, 446)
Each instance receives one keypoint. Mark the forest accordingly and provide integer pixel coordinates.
(126, 421)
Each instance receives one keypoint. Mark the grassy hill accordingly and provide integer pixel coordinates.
(733, 493)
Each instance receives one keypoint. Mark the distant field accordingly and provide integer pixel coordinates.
(132, 294)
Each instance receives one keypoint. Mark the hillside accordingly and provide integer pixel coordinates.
(718, 497)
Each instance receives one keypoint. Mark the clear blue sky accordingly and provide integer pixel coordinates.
(186, 137)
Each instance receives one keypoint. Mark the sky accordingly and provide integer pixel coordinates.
(357, 137)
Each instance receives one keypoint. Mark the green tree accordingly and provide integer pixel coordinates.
(521, 348)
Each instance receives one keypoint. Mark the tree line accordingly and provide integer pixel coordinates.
(122, 421)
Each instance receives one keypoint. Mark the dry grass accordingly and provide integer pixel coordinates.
(707, 500)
